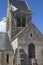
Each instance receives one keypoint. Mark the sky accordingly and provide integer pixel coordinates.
(37, 9)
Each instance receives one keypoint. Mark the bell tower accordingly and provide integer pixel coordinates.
(18, 16)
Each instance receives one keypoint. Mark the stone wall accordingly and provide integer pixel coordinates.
(4, 58)
(25, 39)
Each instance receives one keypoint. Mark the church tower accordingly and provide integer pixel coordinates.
(18, 16)
(26, 40)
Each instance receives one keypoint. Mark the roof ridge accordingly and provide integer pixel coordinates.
(37, 29)
(24, 29)
(27, 5)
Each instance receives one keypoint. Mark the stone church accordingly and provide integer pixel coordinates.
(23, 44)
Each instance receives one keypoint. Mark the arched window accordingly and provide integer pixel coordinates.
(7, 58)
(31, 51)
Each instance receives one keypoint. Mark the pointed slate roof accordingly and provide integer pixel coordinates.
(5, 42)
(19, 4)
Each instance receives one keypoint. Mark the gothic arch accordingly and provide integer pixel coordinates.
(31, 50)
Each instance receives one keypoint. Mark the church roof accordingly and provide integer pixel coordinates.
(20, 4)
(5, 42)
(25, 29)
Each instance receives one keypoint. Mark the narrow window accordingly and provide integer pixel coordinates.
(7, 58)
(23, 22)
(31, 34)
(18, 22)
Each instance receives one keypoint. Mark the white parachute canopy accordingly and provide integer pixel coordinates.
(3, 25)
(13, 8)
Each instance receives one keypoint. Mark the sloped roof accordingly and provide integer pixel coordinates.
(19, 4)
(5, 42)
(26, 28)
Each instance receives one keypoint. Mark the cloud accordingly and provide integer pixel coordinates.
(3, 25)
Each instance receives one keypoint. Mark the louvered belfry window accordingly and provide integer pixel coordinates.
(21, 23)
(18, 22)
